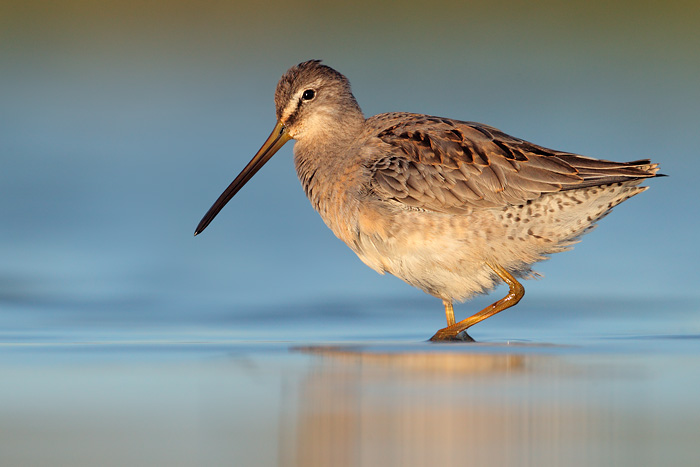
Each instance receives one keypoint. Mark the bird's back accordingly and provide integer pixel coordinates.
(442, 197)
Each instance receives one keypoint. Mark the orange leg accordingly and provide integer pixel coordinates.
(452, 330)
(449, 312)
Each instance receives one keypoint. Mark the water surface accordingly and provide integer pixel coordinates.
(566, 391)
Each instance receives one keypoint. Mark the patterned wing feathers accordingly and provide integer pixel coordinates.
(450, 166)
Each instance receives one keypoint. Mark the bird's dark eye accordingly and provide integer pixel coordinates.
(308, 94)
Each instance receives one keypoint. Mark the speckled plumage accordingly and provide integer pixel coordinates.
(450, 207)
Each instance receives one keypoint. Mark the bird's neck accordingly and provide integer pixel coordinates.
(323, 166)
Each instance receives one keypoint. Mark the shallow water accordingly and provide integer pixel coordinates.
(564, 391)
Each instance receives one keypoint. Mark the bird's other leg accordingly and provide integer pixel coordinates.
(449, 312)
(515, 293)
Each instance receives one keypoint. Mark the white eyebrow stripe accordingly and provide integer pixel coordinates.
(296, 97)
(290, 109)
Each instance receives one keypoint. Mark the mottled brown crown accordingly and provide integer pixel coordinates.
(308, 72)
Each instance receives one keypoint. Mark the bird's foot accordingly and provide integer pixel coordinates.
(445, 336)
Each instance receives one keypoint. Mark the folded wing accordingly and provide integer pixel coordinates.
(446, 165)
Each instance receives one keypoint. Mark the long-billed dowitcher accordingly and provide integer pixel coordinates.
(450, 207)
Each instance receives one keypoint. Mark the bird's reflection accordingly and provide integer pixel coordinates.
(406, 407)
(403, 363)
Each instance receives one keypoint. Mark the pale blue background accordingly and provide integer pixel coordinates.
(120, 126)
(122, 121)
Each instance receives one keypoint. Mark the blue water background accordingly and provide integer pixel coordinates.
(120, 124)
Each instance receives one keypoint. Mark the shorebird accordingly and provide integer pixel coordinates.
(450, 207)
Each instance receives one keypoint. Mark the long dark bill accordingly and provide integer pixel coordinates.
(276, 140)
